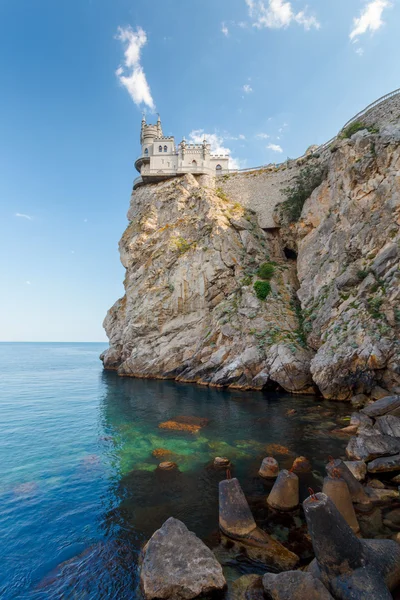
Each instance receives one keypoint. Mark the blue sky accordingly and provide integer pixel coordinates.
(265, 79)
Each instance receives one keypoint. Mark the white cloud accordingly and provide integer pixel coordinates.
(262, 136)
(247, 88)
(28, 282)
(131, 75)
(370, 18)
(24, 216)
(241, 136)
(224, 29)
(216, 142)
(275, 148)
(308, 21)
(277, 14)
(360, 51)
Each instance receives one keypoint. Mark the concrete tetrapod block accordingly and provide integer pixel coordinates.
(237, 523)
(235, 517)
(349, 567)
(285, 492)
(356, 490)
(269, 468)
(336, 489)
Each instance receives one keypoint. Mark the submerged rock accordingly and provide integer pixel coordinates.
(301, 464)
(294, 585)
(167, 466)
(247, 587)
(176, 564)
(222, 462)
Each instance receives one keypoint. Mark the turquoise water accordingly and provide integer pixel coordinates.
(80, 492)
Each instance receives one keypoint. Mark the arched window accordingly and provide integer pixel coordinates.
(160, 148)
(218, 168)
(194, 163)
(165, 148)
(146, 151)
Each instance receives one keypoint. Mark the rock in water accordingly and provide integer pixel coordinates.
(177, 565)
(301, 465)
(294, 585)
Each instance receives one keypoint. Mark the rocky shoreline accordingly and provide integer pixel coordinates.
(353, 526)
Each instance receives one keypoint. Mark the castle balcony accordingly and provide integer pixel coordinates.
(157, 175)
(142, 160)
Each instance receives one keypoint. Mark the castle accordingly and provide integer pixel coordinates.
(161, 159)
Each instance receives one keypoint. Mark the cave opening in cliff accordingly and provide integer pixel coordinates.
(290, 253)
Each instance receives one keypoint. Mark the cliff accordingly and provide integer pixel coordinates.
(348, 267)
(190, 310)
(330, 320)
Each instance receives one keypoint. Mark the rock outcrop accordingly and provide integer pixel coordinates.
(192, 256)
(190, 310)
(348, 267)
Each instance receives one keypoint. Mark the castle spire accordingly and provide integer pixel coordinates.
(159, 128)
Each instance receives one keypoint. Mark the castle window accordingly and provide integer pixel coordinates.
(218, 168)
(146, 151)
(160, 148)
(165, 148)
(194, 163)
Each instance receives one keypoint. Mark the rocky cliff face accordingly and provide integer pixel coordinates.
(348, 267)
(190, 311)
(192, 256)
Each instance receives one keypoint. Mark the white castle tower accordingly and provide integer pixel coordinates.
(160, 159)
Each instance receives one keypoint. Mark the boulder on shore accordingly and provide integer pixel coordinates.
(382, 407)
(176, 564)
(385, 464)
(372, 446)
(388, 425)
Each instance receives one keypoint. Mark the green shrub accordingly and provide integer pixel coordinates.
(357, 126)
(305, 183)
(362, 274)
(266, 271)
(181, 244)
(374, 304)
(262, 289)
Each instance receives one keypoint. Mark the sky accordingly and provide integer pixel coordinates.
(263, 79)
